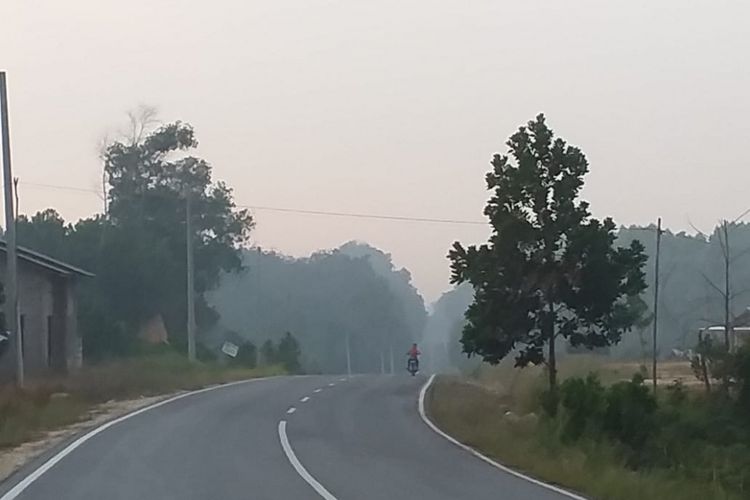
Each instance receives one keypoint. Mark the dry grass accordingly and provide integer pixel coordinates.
(475, 415)
(46, 405)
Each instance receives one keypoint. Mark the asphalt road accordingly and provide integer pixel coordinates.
(283, 438)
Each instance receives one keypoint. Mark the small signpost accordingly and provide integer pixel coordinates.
(230, 349)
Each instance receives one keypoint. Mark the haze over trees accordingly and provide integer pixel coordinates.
(353, 291)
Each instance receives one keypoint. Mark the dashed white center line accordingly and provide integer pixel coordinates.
(331, 384)
(305, 399)
(342, 380)
(291, 410)
(317, 390)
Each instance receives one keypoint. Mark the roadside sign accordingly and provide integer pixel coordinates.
(230, 349)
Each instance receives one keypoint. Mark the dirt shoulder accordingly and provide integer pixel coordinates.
(12, 459)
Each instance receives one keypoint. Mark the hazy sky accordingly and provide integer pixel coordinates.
(390, 107)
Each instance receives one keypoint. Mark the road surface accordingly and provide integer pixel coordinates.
(282, 438)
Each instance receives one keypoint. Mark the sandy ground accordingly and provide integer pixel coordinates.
(14, 458)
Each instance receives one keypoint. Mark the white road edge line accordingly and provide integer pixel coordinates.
(477, 454)
(291, 410)
(289, 452)
(305, 399)
(37, 473)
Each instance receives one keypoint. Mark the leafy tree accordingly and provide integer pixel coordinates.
(44, 232)
(288, 353)
(147, 199)
(268, 352)
(549, 270)
(137, 248)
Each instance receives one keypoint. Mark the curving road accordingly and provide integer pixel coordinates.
(281, 438)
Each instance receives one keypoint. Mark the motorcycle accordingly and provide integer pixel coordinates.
(412, 366)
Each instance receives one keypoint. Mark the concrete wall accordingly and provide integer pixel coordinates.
(47, 306)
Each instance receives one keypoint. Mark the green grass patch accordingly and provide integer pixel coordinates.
(476, 416)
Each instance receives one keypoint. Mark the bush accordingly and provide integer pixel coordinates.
(246, 355)
(742, 376)
(583, 401)
(630, 414)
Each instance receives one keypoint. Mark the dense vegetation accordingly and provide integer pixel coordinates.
(353, 291)
(688, 434)
(137, 251)
(137, 248)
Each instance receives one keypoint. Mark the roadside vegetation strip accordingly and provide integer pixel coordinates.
(502, 428)
(426, 419)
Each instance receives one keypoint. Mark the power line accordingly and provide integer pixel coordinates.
(363, 215)
(327, 213)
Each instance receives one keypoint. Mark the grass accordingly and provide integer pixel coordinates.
(475, 414)
(46, 405)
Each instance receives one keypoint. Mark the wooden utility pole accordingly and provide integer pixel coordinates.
(190, 277)
(656, 300)
(727, 289)
(348, 355)
(11, 275)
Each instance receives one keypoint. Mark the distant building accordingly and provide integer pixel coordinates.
(48, 315)
(740, 334)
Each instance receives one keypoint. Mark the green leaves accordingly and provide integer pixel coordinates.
(549, 270)
(137, 249)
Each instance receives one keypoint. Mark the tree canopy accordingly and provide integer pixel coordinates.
(549, 269)
(137, 249)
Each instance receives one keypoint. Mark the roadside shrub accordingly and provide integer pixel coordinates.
(742, 375)
(583, 401)
(676, 393)
(246, 355)
(629, 416)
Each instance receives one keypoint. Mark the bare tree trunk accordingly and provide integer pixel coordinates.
(549, 334)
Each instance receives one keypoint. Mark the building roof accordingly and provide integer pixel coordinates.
(45, 261)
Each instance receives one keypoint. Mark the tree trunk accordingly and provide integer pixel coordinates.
(549, 334)
(552, 360)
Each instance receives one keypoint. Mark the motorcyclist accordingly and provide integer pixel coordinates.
(414, 354)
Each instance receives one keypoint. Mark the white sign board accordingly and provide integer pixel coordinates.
(230, 349)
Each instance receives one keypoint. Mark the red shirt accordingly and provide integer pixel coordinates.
(413, 352)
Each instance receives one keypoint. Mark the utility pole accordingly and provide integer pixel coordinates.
(656, 299)
(190, 277)
(727, 291)
(348, 356)
(382, 363)
(391, 347)
(11, 275)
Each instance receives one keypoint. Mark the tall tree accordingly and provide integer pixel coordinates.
(549, 270)
(288, 353)
(149, 184)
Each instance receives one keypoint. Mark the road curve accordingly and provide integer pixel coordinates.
(282, 438)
